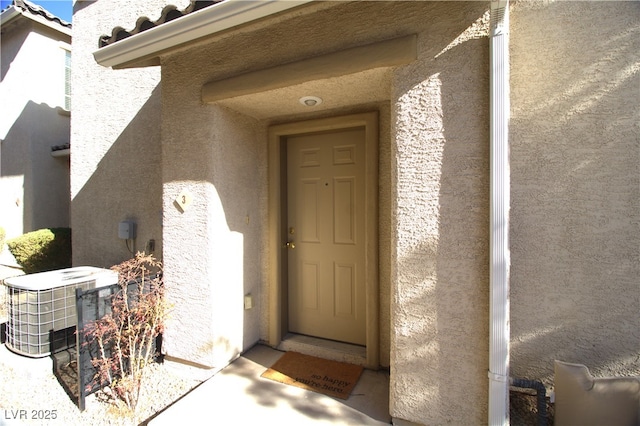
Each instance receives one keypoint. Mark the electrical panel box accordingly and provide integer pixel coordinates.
(127, 230)
(248, 301)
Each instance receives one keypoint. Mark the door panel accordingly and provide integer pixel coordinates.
(344, 210)
(345, 290)
(309, 227)
(325, 213)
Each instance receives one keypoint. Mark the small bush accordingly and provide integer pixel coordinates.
(126, 336)
(42, 250)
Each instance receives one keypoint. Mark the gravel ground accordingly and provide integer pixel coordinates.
(29, 392)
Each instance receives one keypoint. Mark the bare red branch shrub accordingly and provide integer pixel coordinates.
(126, 336)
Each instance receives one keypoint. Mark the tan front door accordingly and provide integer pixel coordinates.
(326, 227)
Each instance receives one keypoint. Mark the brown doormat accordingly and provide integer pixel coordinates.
(331, 378)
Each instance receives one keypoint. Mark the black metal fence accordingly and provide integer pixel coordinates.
(73, 350)
(91, 305)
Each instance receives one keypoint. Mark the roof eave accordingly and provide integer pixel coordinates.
(139, 48)
(11, 13)
(8, 15)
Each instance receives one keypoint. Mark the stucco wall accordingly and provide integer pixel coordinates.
(433, 219)
(440, 264)
(34, 186)
(213, 249)
(575, 156)
(115, 134)
(575, 185)
(33, 59)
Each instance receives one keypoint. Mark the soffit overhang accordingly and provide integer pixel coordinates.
(356, 76)
(388, 53)
(26, 10)
(142, 47)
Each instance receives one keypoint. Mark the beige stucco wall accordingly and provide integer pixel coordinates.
(440, 230)
(575, 185)
(575, 169)
(433, 218)
(115, 134)
(34, 186)
(213, 250)
(33, 59)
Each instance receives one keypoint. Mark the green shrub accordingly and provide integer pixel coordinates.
(42, 250)
(3, 234)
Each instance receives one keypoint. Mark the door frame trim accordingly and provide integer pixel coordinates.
(277, 275)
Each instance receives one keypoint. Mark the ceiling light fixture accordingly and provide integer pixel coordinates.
(310, 101)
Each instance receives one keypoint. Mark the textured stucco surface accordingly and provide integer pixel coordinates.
(433, 249)
(213, 250)
(575, 168)
(433, 176)
(574, 164)
(115, 134)
(34, 186)
(440, 265)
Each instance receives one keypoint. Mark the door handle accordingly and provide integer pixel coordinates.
(290, 244)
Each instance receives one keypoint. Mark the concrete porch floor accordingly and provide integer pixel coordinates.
(238, 395)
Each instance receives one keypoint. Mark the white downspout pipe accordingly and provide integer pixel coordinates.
(499, 216)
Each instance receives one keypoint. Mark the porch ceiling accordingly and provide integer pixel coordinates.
(338, 92)
(354, 76)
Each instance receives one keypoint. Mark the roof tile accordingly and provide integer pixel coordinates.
(27, 6)
(169, 13)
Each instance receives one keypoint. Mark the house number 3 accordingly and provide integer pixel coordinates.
(183, 200)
